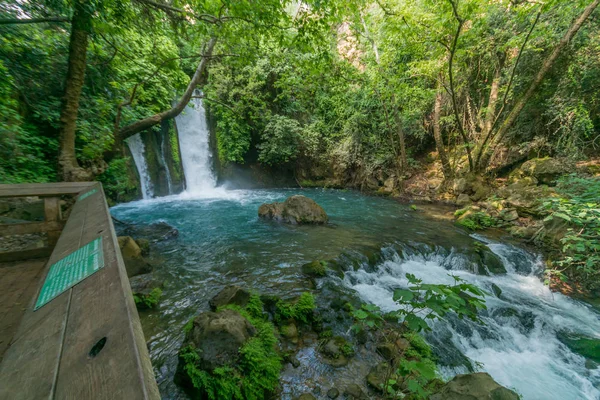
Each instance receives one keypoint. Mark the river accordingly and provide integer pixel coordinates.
(378, 241)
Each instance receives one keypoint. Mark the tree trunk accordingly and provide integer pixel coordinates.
(69, 169)
(490, 113)
(437, 135)
(149, 122)
(403, 159)
(537, 81)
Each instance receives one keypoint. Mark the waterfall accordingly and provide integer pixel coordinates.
(194, 142)
(164, 163)
(136, 146)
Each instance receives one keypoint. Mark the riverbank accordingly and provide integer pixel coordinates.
(521, 203)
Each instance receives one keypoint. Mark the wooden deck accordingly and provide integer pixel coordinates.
(87, 343)
(18, 285)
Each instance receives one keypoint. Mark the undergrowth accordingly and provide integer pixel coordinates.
(257, 371)
(578, 204)
(148, 301)
(300, 310)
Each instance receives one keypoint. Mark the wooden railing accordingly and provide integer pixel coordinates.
(52, 225)
(86, 343)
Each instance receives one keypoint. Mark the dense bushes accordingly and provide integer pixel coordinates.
(578, 205)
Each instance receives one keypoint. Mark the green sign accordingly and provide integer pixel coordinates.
(87, 194)
(71, 270)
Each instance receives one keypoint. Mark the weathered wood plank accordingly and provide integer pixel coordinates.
(43, 189)
(18, 284)
(31, 254)
(30, 227)
(107, 295)
(49, 357)
(30, 365)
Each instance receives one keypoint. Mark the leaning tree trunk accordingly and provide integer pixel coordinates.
(69, 169)
(198, 78)
(437, 135)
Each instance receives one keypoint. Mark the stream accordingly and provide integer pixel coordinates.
(377, 241)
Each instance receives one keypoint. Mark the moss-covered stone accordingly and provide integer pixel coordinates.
(580, 344)
(315, 269)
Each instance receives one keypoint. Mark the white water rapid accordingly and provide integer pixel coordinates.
(196, 157)
(136, 146)
(518, 344)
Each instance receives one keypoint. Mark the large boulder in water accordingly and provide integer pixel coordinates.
(135, 264)
(296, 209)
(476, 386)
(217, 338)
(230, 295)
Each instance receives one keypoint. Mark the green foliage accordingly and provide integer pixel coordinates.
(281, 139)
(421, 302)
(476, 220)
(258, 368)
(118, 182)
(579, 206)
(300, 310)
(416, 370)
(150, 300)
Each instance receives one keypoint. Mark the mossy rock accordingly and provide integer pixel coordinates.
(336, 351)
(379, 375)
(315, 269)
(586, 346)
(146, 291)
(474, 220)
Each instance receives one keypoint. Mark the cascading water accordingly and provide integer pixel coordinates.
(163, 150)
(194, 142)
(519, 342)
(374, 243)
(136, 146)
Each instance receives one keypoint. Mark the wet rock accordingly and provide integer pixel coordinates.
(476, 386)
(486, 261)
(132, 256)
(129, 247)
(315, 269)
(336, 351)
(154, 232)
(218, 337)
(354, 392)
(146, 290)
(493, 263)
(496, 289)
(292, 359)
(144, 245)
(583, 345)
(380, 375)
(294, 210)
(333, 393)
(290, 332)
(144, 283)
(230, 295)
(387, 350)
(306, 396)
